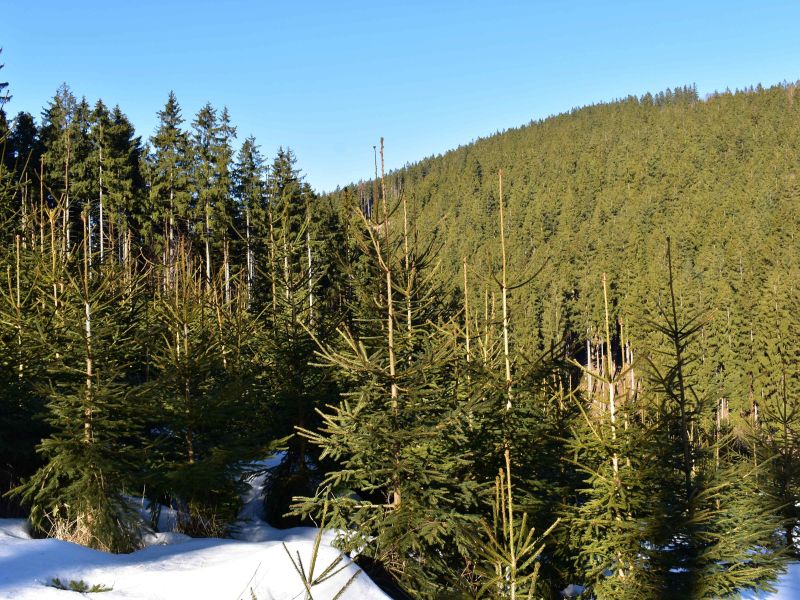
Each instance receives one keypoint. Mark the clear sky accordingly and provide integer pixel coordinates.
(328, 78)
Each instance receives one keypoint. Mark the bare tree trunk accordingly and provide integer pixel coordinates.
(589, 365)
(611, 382)
(687, 436)
(24, 205)
(310, 280)
(227, 270)
(188, 400)
(511, 545)
(487, 336)
(41, 205)
(286, 279)
(272, 267)
(630, 363)
(374, 183)
(610, 378)
(65, 216)
(208, 243)
(170, 250)
(466, 311)
(504, 293)
(18, 307)
(54, 250)
(409, 270)
(88, 234)
(249, 258)
(102, 225)
(87, 425)
(395, 392)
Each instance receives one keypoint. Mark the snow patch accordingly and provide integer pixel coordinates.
(173, 565)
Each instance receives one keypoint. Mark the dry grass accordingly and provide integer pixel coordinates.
(83, 530)
(197, 525)
(77, 531)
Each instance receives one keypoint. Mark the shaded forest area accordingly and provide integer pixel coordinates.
(563, 354)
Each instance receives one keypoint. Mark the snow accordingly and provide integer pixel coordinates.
(174, 565)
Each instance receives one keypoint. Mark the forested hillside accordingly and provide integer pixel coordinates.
(564, 357)
(599, 190)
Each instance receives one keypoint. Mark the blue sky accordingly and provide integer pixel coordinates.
(329, 78)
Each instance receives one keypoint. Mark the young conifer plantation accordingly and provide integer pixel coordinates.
(509, 371)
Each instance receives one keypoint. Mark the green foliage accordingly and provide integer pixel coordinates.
(294, 293)
(200, 390)
(777, 388)
(82, 328)
(403, 485)
(716, 535)
(509, 556)
(79, 586)
(612, 524)
(21, 363)
(597, 189)
(307, 574)
(168, 166)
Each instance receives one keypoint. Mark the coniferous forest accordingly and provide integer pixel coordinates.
(564, 355)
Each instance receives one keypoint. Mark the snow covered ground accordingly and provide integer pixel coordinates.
(175, 566)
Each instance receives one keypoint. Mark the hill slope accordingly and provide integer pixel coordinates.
(599, 189)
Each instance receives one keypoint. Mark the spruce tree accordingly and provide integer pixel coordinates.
(401, 485)
(63, 135)
(83, 327)
(294, 313)
(716, 534)
(170, 199)
(250, 191)
(778, 393)
(197, 402)
(211, 141)
(124, 187)
(611, 522)
(22, 362)
(517, 401)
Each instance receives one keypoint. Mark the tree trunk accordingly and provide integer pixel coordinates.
(394, 390)
(504, 293)
(102, 226)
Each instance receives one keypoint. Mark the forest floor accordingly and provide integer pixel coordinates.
(254, 565)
